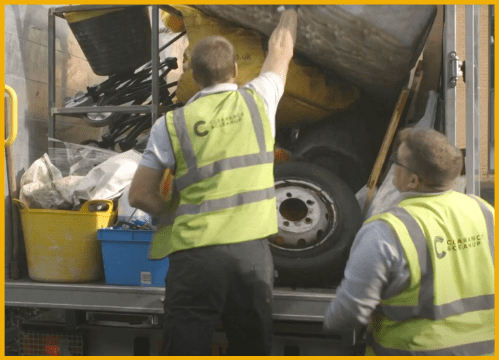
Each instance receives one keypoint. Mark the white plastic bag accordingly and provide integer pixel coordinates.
(76, 159)
(41, 171)
(109, 179)
(129, 213)
(385, 197)
(58, 195)
(43, 187)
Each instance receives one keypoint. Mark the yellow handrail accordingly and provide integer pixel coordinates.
(13, 116)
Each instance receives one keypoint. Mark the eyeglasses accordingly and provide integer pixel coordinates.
(393, 160)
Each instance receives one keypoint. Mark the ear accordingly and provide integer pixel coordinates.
(235, 70)
(197, 84)
(413, 182)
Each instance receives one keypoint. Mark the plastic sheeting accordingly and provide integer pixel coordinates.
(44, 187)
(109, 179)
(387, 195)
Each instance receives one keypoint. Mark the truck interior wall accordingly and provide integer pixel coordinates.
(486, 177)
(26, 71)
(432, 62)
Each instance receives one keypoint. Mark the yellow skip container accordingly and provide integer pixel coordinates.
(62, 245)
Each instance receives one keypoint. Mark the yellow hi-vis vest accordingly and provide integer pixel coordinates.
(224, 153)
(448, 308)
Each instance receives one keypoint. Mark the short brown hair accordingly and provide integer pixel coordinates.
(213, 61)
(432, 157)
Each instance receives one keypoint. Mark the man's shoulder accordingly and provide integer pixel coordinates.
(482, 202)
(374, 235)
(268, 76)
(376, 222)
(159, 128)
(381, 217)
(269, 87)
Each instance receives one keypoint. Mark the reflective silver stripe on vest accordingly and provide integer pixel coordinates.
(195, 174)
(255, 118)
(426, 289)
(209, 170)
(226, 203)
(461, 306)
(473, 349)
(426, 308)
(184, 139)
(489, 221)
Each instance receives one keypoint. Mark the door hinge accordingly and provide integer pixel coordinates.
(456, 68)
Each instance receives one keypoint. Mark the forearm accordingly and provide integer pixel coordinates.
(151, 203)
(285, 30)
(346, 313)
(281, 44)
(145, 191)
(366, 275)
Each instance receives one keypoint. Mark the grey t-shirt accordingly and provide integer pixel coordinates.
(159, 152)
(377, 268)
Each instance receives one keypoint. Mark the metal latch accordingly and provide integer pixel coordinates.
(455, 68)
(122, 319)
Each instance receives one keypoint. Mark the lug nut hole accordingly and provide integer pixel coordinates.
(293, 209)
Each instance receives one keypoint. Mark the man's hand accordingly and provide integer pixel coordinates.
(281, 44)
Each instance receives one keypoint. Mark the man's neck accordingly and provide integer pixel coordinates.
(229, 81)
(425, 189)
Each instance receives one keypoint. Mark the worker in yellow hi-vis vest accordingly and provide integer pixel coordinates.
(423, 271)
(220, 149)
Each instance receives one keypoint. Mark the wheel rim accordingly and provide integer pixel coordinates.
(307, 215)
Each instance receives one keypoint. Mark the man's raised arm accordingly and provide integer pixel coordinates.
(281, 44)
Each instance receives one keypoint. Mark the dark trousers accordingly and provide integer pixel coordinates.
(228, 283)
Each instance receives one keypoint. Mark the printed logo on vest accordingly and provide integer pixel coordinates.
(217, 123)
(464, 243)
(196, 128)
(439, 239)
(227, 120)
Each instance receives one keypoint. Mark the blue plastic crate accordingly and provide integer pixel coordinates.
(125, 256)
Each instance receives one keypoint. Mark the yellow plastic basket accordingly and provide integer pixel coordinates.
(62, 245)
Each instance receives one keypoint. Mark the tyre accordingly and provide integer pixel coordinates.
(318, 217)
(340, 144)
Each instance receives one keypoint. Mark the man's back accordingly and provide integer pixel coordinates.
(447, 241)
(422, 273)
(223, 146)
